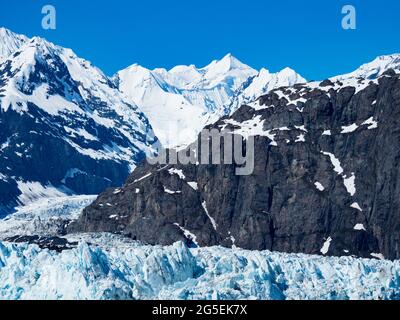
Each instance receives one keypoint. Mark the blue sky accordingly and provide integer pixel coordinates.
(305, 35)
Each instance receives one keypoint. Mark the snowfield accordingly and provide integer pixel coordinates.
(114, 268)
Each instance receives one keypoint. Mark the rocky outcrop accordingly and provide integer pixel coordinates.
(326, 179)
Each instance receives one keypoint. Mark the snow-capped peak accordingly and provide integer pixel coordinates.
(181, 101)
(77, 111)
(375, 68)
(226, 64)
(264, 82)
(181, 76)
(10, 42)
(57, 81)
(287, 72)
(227, 69)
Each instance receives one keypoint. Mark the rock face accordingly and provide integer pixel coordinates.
(325, 179)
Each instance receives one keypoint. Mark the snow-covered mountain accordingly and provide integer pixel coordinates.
(324, 181)
(10, 42)
(263, 83)
(181, 101)
(372, 70)
(96, 129)
(65, 127)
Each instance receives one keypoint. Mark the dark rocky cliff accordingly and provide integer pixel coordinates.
(326, 179)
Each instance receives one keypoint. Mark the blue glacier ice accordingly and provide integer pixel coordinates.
(113, 268)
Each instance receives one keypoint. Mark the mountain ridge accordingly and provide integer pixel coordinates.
(115, 133)
(324, 180)
(66, 129)
(189, 98)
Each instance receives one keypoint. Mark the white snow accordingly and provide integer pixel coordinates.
(264, 82)
(166, 190)
(371, 123)
(33, 190)
(10, 42)
(369, 72)
(351, 128)
(355, 205)
(252, 127)
(5, 145)
(300, 138)
(302, 128)
(82, 133)
(73, 110)
(349, 183)
(143, 178)
(181, 101)
(325, 248)
(319, 186)
(214, 224)
(188, 234)
(233, 240)
(373, 69)
(177, 172)
(327, 133)
(359, 227)
(335, 162)
(193, 185)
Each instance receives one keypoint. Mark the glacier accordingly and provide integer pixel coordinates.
(43, 217)
(114, 268)
(104, 266)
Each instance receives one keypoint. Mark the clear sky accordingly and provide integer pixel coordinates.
(305, 35)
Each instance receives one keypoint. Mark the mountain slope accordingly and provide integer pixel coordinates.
(373, 69)
(65, 127)
(174, 119)
(181, 101)
(263, 83)
(10, 42)
(325, 178)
